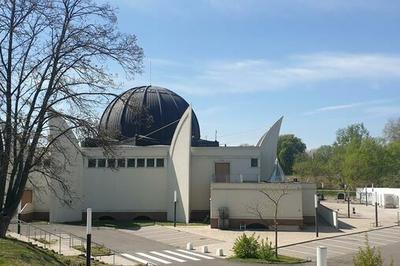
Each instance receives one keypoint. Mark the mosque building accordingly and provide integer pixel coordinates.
(156, 158)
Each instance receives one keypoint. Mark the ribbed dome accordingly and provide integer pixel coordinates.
(149, 114)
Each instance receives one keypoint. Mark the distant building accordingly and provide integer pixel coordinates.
(157, 152)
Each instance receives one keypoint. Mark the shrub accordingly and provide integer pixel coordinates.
(265, 250)
(368, 256)
(246, 246)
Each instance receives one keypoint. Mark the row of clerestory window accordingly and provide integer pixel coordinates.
(125, 162)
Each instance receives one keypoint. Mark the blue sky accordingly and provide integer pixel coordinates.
(242, 64)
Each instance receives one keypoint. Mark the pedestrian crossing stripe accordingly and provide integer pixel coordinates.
(196, 254)
(167, 256)
(153, 258)
(181, 255)
(129, 256)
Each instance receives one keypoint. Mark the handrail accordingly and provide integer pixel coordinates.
(67, 233)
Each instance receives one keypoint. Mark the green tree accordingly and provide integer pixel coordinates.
(289, 146)
(352, 134)
(391, 131)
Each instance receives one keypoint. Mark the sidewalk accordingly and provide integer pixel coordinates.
(64, 248)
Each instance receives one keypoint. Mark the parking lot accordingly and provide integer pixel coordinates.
(344, 245)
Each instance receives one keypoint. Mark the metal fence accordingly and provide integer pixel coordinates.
(61, 242)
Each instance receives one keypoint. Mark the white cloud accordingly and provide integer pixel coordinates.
(293, 72)
(348, 106)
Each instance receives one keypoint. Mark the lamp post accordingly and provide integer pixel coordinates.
(366, 196)
(316, 214)
(88, 235)
(348, 200)
(19, 218)
(175, 200)
(376, 211)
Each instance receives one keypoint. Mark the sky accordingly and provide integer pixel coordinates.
(323, 65)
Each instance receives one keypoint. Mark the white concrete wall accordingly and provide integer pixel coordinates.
(268, 147)
(179, 168)
(126, 189)
(240, 198)
(71, 174)
(203, 170)
(308, 192)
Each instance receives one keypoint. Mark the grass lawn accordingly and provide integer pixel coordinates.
(96, 250)
(131, 224)
(282, 259)
(15, 253)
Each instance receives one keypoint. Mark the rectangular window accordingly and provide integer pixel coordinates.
(101, 162)
(160, 162)
(111, 163)
(254, 162)
(131, 162)
(121, 163)
(92, 163)
(140, 162)
(150, 162)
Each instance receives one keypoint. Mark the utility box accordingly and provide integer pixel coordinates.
(390, 201)
(223, 218)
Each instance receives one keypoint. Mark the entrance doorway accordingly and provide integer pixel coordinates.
(26, 198)
(222, 172)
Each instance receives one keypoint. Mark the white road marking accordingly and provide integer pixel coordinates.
(153, 258)
(167, 256)
(315, 249)
(129, 256)
(181, 255)
(297, 251)
(336, 246)
(382, 238)
(196, 254)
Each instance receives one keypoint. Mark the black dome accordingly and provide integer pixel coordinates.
(147, 114)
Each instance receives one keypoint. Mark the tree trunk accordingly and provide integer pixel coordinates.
(4, 223)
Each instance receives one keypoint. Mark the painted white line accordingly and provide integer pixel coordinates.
(348, 241)
(340, 247)
(167, 256)
(385, 234)
(153, 258)
(371, 241)
(297, 251)
(315, 249)
(383, 238)
(129, 256)
(196, 254)
(180, 255)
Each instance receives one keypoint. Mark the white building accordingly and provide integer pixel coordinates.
(156, 152)
(385, 197)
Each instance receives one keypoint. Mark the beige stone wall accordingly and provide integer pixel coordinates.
(308, 191)
(240, 198)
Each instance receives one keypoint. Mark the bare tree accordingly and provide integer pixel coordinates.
(54, 59)
(273, 196)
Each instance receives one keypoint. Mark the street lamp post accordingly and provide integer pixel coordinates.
(175, 200)
(316, 215)
(19, 218)
(347, 197)
(376, 211)
(88, 236)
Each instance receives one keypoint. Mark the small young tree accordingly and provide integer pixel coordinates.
(273, 196)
